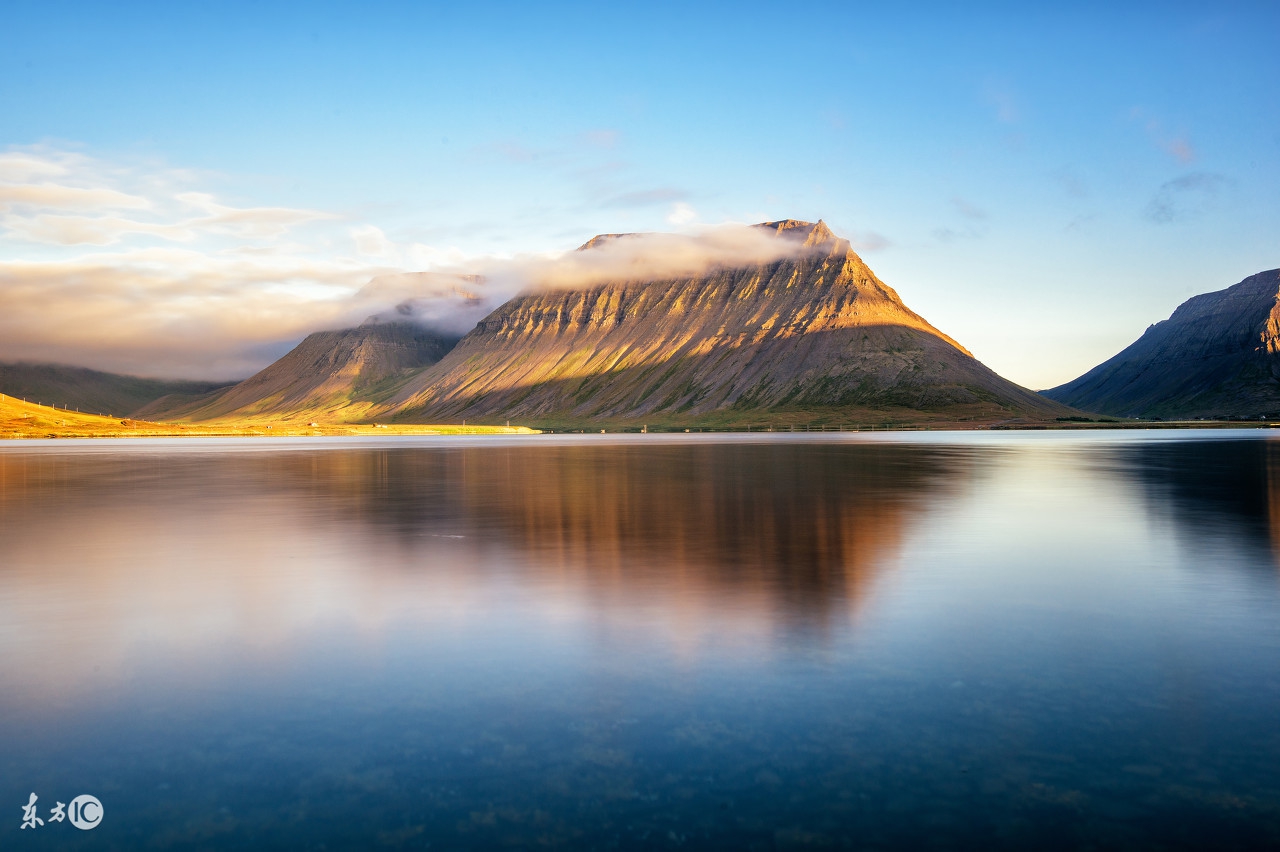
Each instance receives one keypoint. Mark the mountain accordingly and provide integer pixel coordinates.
(813, 331)
(330, 375)
(1218, 355)
(90, 390)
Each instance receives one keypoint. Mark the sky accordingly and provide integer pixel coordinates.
(186, 190)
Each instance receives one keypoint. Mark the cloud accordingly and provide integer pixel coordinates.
(24, 166)
(1179, 148)
(602, 138)
(1079, 223)
(998, 96)
(968, 210)
(55, 195)
(84, 208)
(1175, 144)
(645, 198)
(137, 268)
(166, 312)
(1071, 182)
(1185, 197)
(973, 226)
(372, 242)
(681, 214)
(637, 257)
(516, 152)
(864, 242)
(450, 302)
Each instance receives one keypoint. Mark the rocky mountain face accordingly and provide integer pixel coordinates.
(331, 374)
(814, 330)
(1218, 355)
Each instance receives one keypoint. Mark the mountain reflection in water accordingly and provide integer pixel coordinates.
(256, 549)
(1224, 487)
(958, 641)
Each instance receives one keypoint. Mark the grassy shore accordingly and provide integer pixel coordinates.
(20, 419)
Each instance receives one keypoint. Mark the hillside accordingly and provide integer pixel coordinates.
(815, 332)
(1217, 356)
(333, 376)
(91, 390)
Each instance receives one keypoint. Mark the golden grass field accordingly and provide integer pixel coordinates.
(20, 419)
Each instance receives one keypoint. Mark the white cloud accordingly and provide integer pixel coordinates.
(636, 257)
(142, 270)
(52, 195)
(139, 269)
(372, 242)
(21, 165)
(681, 214)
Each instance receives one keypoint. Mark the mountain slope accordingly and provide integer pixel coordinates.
(1218, 355)
(329, 375)
(91, 390)
(816, 329)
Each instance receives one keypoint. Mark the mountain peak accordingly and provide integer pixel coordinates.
(600, 239)
(813, 234)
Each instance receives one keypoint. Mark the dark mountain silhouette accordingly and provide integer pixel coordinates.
(92, 391)
(1218, 355)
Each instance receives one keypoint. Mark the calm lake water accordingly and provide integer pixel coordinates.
(922, 641)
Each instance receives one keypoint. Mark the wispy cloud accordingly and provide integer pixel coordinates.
(138, 268)
(972, 224)
(602, 138)
(1071, 181)
(999, 96)
(968, 209)
(635, 257)
(681, 214)
(645, 198)
(1185, 197)
(1176, 144)
(865, 242)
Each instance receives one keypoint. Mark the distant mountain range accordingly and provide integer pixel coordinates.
(811, 336)
(92, 391)
(1217, 356)
(345, 375)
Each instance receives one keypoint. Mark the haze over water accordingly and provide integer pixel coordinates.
(978, 640)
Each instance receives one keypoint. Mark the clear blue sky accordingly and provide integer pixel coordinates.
(1040, 184)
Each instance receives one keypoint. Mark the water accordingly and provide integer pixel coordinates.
(964, 641)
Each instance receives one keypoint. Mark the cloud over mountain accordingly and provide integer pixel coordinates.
(137, 267)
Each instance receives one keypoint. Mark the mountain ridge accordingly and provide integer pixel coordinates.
(816, 328)
(93, 391)
(1217, 355)
(339, 374)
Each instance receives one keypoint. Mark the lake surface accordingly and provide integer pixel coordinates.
(915, 641)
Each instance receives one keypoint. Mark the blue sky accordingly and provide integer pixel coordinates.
(1041, 185)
